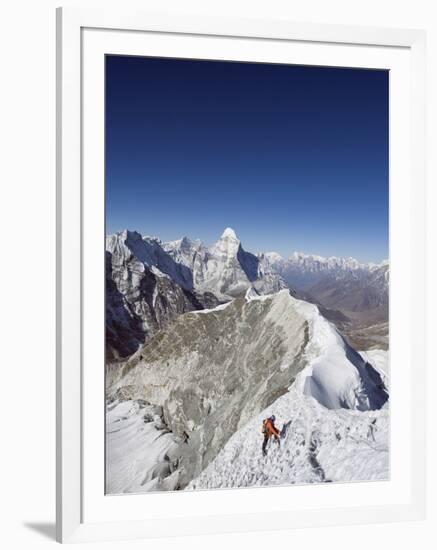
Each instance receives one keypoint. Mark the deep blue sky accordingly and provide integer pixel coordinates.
(291, 157)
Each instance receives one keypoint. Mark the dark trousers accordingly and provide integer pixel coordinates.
(266, 440)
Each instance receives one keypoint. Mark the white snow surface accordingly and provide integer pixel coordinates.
(317, 445)
(137, 461)
(335, 376)
(220, 307)
(320, 440)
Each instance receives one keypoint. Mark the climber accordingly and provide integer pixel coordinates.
(269, 430)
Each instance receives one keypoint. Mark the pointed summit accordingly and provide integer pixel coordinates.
(186, 242)
(229, 233)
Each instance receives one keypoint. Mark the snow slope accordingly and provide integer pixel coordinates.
(137, 444)
(317, 445)
(336, 375)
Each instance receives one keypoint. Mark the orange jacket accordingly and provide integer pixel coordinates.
(270, 429)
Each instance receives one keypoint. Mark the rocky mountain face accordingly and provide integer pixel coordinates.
(225, 269)
(204, 378)
(148, 251)
(145, 290)
(150, 283)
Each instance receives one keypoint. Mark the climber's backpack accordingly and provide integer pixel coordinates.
(264, 427)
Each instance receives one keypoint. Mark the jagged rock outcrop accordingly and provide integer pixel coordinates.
(225, 269)
(142, 293)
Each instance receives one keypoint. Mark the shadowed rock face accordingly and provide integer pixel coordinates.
(139, 303)
(212, 371)
(148, 251)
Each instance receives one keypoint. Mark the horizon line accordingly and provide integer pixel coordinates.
(264, 252)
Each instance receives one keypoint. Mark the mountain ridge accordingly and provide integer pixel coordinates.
(352, 294)
(213, 372)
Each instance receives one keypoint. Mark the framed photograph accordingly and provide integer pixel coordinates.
(241, 305)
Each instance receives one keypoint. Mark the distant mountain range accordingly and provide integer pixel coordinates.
(150, 282)
(360, 291)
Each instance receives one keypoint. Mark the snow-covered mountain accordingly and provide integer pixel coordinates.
(225, 269)
(145, 290)
(307, 270)
(199, 388)
(148, 250)
(360, 292)
(150, 283)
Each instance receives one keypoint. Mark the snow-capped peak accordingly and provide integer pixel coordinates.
(225, 268)
(330, 262)
(273, 257)
(227, 246)
(229, 233)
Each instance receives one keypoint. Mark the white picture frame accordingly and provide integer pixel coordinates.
(83, 38)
